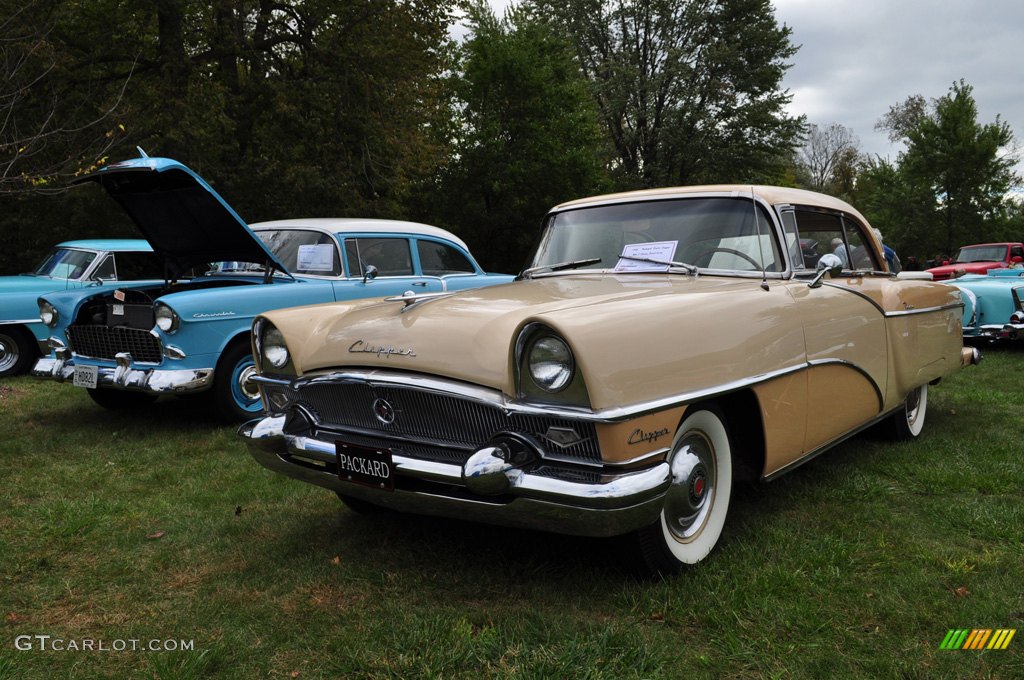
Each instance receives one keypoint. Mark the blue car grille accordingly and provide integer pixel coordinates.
(103, 342)
(436, 426)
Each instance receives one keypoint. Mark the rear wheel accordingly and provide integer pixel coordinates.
(697, 501)
(236, 397)
(908, 421)
(119, 400)
(17, 350)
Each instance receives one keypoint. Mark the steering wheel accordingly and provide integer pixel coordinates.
(731, 251)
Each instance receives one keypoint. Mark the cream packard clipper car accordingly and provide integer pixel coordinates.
(661, 345)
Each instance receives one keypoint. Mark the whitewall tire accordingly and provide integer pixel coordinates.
(697, 502)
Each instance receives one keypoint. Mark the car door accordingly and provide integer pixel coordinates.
(844, 326)
(450, 265)
(379, 266)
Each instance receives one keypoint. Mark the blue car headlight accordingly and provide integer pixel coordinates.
(48, 314)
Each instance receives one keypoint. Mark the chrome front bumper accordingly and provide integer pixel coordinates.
(123, 376)
(484, 489)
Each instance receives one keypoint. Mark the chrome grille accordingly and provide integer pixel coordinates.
(103, 342)
(434, 425)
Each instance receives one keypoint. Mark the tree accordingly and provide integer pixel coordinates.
(525, 132)
(50, 130)
(298, 108)
(687, 90)
(827, 160)
(966, 168)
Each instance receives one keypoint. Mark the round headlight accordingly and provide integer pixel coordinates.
(551, 364)
(166, 319)
(48, 314)
(274, 350)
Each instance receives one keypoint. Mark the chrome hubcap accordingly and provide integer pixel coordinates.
(692, 493)
(8, 353)
(246, 386)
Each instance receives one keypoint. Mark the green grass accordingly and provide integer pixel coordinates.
(158, 525)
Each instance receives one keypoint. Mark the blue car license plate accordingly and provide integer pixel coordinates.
(365, 465)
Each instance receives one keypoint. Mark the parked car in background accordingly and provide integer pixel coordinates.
(189, 333)
(993, 304)
(68, 266)
(661, 344)
(979, 259)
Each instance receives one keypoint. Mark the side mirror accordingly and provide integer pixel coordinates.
(369, 273)
(828, 264)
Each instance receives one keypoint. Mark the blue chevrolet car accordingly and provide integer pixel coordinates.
(68, 266)
(993, 304)
(190, 332)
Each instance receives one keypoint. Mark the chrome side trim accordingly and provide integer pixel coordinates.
(20, 321)
(925, 310)
(608, 415)
(889, 315)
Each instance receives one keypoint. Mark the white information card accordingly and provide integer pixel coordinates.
(316, 258)
(663, 251)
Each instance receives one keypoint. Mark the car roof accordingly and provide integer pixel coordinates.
(114, 244)
(361, 225)
(773, 195)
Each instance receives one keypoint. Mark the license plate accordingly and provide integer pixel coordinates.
(86, 376)
(365, 465)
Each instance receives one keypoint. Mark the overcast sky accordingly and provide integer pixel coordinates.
(859, 57)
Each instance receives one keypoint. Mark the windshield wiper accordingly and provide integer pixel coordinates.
(690, 269)
(561, 266)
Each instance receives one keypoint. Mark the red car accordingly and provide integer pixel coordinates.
(979, 259)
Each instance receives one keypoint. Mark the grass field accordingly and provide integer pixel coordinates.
(157, 525)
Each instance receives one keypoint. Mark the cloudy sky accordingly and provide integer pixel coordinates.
(859, 57)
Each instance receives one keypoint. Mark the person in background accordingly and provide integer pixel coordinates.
(891, 258)
(912, 264)
(839, 249)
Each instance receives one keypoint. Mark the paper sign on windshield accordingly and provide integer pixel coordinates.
(316, 258)
(663, 251)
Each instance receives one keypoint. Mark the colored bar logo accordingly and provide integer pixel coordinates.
(978, 638)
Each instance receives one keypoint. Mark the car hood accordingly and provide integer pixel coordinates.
(970, 267)
(185, 221)
(609, 321)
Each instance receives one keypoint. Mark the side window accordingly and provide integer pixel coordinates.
(106, 271)
(860, 252)
(138, 266)
(439, 259)
(1017, 251)
(822, 232)
(391, 256)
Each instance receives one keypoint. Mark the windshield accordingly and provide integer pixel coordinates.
(711, 233)
(301, 251)
(981, 254)
(65, 263)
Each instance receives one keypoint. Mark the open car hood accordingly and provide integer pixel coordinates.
(181, 216)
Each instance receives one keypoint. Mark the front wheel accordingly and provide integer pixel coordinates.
(17, 350)
(237, 398)
(697, 502)
(908, 421)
